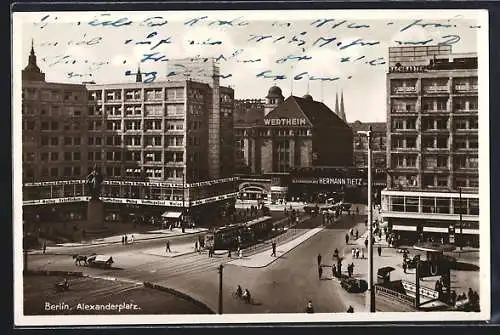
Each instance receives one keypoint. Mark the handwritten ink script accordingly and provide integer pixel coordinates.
(322, 49)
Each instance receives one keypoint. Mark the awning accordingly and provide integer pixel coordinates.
(404, 228)
(435, 230)
(172, 215)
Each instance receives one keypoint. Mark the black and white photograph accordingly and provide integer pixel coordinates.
(217, 166)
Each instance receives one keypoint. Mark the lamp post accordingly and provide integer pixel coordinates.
(371, 293)
(461, 223)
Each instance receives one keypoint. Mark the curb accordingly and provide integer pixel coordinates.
(52, 273)
(181, 295)
(276, 258)
(109, 243)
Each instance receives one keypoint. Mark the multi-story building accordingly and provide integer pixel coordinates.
(297, 133)
(54, 118)
(152, 141)
(379, 155)
(247, 114)
(432, 147)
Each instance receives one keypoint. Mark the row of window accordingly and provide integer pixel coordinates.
(137, 94)
(54, 110)
(434, 205)
(434, 142)
(441, 104)
(434, 181)
(435, 123)
(52, 95)
(430, 162)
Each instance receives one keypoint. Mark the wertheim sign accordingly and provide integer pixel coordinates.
(285, 122)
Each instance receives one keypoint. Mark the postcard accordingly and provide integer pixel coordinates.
(198, 167)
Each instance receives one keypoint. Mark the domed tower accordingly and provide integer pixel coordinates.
(273, 99)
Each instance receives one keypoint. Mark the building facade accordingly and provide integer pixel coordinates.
(432, 148)
(153, 142)
(54, 119)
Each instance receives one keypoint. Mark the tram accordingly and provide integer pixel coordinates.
(239, 235)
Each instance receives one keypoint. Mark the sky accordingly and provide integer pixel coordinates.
(317, 52)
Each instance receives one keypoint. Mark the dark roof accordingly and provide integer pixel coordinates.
(363, 126)
(318, 113)
(248, 113)
(274, 92)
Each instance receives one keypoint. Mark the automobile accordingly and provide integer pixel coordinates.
(353, 285)
(100, 261)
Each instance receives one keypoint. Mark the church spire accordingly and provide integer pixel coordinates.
(342, 111)
(337, 103)
(32, 71)
(138, 76)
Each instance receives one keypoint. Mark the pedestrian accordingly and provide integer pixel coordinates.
(352, 269)
(351, 232)
(273, 254)
(404, 266)
(356, 234)
(334, 271)
(123, 239)
(357, 253)
(240, 253)
(346, 238)
(195, 246)
(229, 253)
(379, 250)
(353, 252)
(309, 307)
(320, 272)
(366, 243)
(350, 309)
(357, 210)
(362, 253)
(126, 238)
(167, 246)
(319, 259)
(380, 234)
(44, 246)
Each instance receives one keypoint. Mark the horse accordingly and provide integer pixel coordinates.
(79, 259)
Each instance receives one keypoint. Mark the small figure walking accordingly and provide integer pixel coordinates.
(404, 266)
(366, 243)
(356, 234)
(362, 253)
(229, 253)
(131, 239)
(126, 238)
(346, 238)
(196, 246)
(319, 259)
(357, 253)
(240, 253)
(334, 270)
(379, 250)
(273, 254)
(320, 272)
(44, 246)
(123, 239)
(167, 246)
(309, 307)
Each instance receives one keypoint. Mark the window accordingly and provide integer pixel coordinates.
(442, 142)
(44, 140)
(399, 160)
(441, 104)
(411, 142)
(472, 162)
(54, 172)
(411, 124)
(44, 125)
(397, 124)
(44, 156)
(442, 161)
(77, 156)
(459, 104)
(77, 141)
(473, 104)
(67, 141)
(473, 144)
(428, 142)
(54, 141)
(441, 124)
(460, 162)
(67, 156)
(474, 182)
(460, 143)
(427, 124)
(460, 124)
(411, 161)
(67, 171)
(430, 162)
(473, 123)
(442, 181)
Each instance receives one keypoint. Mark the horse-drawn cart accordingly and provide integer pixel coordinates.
(100, 261)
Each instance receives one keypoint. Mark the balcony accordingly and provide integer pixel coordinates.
(436, 89)
(404, 90)
(465, 88)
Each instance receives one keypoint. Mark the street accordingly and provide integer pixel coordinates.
(285, 286)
